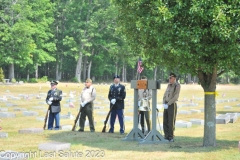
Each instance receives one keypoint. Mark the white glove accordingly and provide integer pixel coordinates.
(113, 101)
(50, 99)
(139, 103)
(165, 106)
(83, 104)
(49, 102)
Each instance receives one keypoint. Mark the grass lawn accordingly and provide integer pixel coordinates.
(97, 145)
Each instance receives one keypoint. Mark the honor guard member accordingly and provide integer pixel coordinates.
(170, 107)
(54, 96)
(116, 96)
(88, 95)
(144, 95)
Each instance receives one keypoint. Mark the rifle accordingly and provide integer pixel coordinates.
(45, 120)
(77, 117)
(105, 122)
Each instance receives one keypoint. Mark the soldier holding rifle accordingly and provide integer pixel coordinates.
(54, 96)
(87, 97)
(116, 96)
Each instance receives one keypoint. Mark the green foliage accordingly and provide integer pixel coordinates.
(23, 79)
(33, 80)
(43, 79)
(1, 75)
(183, 35)
(196, 37)
(74, 79)
(13, 80)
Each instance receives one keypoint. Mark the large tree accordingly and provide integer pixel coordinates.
(16, 43)
(200, 37)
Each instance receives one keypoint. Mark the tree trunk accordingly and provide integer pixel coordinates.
(27, 74)
(79, 65)
(123, 80)
(155, 73)
(125, 71)
(189, 78)
(163, 75)
(11, 72)
(133, 73)
(208, 82)
(36, 71)
(89, 70)
(59, 68)
(116, 72)
(84, 67)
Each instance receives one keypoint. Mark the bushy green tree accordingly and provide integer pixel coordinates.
(199, 37)
(1, 75)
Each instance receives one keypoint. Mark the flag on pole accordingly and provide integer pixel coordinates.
(140, 67)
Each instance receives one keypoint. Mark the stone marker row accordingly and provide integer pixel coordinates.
(3, 135)
(226, 118)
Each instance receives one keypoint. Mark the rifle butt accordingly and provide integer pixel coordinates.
(75, 122)
(104, 129)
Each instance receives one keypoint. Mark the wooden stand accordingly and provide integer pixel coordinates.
(153, 137)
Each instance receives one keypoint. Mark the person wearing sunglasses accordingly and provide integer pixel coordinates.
(170, 107)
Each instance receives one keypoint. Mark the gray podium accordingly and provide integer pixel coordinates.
(136, 134)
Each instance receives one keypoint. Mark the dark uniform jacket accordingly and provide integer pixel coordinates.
(119, 93)
(57, 97)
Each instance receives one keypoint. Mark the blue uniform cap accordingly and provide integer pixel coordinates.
(116, 76)
(54, 82)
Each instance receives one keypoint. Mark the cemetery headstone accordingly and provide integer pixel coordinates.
(30, 113)
(3, 135)
(7, 115)
(233, 117)
(30, 130)
(66, 127)
(19, 109)
(222, 119)
(227, 107)
(183, 124)
(54, 146)
(3, 109)
(197, 121)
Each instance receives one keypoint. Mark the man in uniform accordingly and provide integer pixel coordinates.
(54, 96)
(144, 95)
(116, 96)
(87, 97)
(170, 107)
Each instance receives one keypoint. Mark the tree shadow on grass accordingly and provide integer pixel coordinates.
(224, 112)
(114, 142)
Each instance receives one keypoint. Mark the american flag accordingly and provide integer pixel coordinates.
(139, 68)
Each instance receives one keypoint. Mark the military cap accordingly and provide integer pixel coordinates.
(172, 75)
(88, 80)
(54, 82)
(116, 76)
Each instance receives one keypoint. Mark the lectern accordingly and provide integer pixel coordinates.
(136, 134)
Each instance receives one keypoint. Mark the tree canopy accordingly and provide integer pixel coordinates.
(199, 37)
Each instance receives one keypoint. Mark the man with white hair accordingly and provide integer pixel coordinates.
(88, 95)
